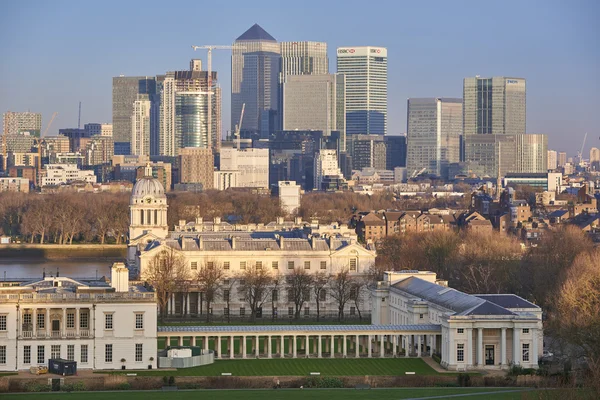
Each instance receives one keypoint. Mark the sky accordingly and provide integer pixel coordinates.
(57, 53)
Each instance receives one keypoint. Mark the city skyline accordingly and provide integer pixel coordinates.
(557, 45)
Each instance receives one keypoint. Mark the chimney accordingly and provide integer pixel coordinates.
(313, 242)
(181, 223)
(119, 277)
(199, 221)
(217, 220)
(279, 220)
(298, 220)
(200, 243)
(233, 243)
(281, 242)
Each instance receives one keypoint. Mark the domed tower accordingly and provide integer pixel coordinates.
(148, 208)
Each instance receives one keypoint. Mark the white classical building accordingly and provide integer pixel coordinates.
(476, 331)
(91, 322)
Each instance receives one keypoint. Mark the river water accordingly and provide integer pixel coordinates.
(31, 269)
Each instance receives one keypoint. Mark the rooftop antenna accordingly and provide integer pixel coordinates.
(79, 118)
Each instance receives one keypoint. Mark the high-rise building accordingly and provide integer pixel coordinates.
(365, 69)
(367, 151)
(289, 195)
(395, 151)
(595, 158)
(433, 134)
(95, 129)
(315, 102)
(253, 165)
(303, 58)
(532, 153)
(552, 160)
(255, 60)
(562, 158)
(140, 125)
(125, 93)
(196, 166)
(15, 123)
(326, 165)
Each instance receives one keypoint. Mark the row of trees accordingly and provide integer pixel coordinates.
(256, 286)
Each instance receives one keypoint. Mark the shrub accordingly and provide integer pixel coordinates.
(464, 380)
(124, 386)
(318, 382)
(165, 380)
(436, 358)
(515, 370)
(37, 387)
(78, 386)
(171, 381)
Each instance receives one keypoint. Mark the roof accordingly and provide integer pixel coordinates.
(507, 300)
(256, 32)
(295, 328)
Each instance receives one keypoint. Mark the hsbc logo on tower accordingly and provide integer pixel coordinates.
(346, 51)
(376, 51)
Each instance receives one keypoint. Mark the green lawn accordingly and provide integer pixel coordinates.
(298, 394)
(303, 367)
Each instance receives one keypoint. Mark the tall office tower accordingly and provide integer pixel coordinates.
(367, 151)
(595, 158)
(303, 58)
(552, 160)
(15, 123)
(140, 125)
(395, 151)
(125, 91)
(562, 158)
(532, 153)
(95, 129)
(255, 61)
(196, 166)
(365, 69)
(184, 111)
(315, 102)
(433, 134)
(492, 106)
(326, 165)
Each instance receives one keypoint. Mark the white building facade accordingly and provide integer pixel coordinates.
(252, 164)
(57, 174)
(326, 164)
(95, 324)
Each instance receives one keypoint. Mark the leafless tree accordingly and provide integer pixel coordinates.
(277, 283)
(340, 288)
(320, 280)
(359, 291)
(37, 220)
(165, 272)
(299, 284)
(210, 280)
(229, 283)
(254, 287)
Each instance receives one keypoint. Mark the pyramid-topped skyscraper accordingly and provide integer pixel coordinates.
(254, 82)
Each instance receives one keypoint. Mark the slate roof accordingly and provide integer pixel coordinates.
(507, 300)
(293, 328)
(558, 213)
(256, 32)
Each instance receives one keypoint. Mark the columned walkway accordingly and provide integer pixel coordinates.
(317, 341)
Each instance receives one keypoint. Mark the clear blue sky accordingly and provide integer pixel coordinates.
(55, 53)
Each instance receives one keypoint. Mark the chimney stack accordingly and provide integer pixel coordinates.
(281, 242)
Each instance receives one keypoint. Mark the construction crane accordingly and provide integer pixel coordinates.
(49, 123)
(580, 154)
(239, 127)
(79, 117)
(210, 48)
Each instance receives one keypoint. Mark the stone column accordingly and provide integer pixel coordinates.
(232, 347)
(319, 353)
(516, 346)
(451, 348)
(345, 346)
(77, 316)
(480, 346)
(64, 322)
(503, 347)
(369, 346)
(257, 346)
(419, 345)
(243, 346)
(332, 354)
(282, 346)
(269, 346)
(533, 357)
(381, 346)
(395, 345)
(406, 345)
(218, 347)
(357, 346)
(315, 340)
(279, 346)
(307, 347)
(205, 342)
(469, 347)
(294, 347)
(34, 322)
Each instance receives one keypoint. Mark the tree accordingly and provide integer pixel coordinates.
(254, 285)
(340, 288)
(165, 272)
(299, 284)
(210, 279)
(577, 316)
(358, 291)
(37, 220)
(228, 285)
(275, 294)
(440, 252)
(320, 281)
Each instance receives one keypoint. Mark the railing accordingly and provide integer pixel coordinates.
(84, 333)
(56, 334)
(27, 334)
(70, 334)
(69, 297)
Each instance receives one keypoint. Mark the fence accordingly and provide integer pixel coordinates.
(206, 357)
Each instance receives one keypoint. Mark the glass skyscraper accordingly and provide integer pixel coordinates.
(304, 58)
(365, 69)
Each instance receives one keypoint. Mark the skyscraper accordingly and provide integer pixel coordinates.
(303, 58)
(365, 69)
(196, 166)
(125, 91)
(21, 122)
(532, 153)
(255, 61)
(562, 158)
(140, 126)
(315, 102)
(552, 160)
(434, 126)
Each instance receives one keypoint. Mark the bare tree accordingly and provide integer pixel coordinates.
(358, 292)
(228, 284)
(37, 220)
(277, 281)
(254, 285)
(319, 284)
(340, 288)
(299, 284)
(165, 272)
(210, 279)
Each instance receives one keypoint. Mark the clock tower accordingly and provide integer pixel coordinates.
(148, 208)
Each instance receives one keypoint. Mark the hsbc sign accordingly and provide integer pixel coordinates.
(362, 51)
(346, 51)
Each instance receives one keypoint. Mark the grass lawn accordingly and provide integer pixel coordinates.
(297, 394)
(303, 367)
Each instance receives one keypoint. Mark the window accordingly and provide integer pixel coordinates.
(226, 295)
(55, 351)
(460, 352)
(2, 355)
(353, 264)
(420, 316)
(242, 311)
(27, 321)
(525, 352)
(525, 331)
(275, 295)
(41, 357)
(84, 320)
(108, 321)
(460, 330)
(226, 265)
(139, 321)
(138, 352)
(323, 295)
(306, 294)
(210, 265)
(259, 265)
(108, 353)
(41, 321)
(26, 354)
(290, 312)
(242, 264)
(323, 264)
(226, 311)
(306, 264)
(84, 353)
(306, 311)
(70, 320)
(352, 310)
(290, 265)
(353, 293)
(2, 322)
(194, 265)
(275, 265)
(290, 295)
(71, 352)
